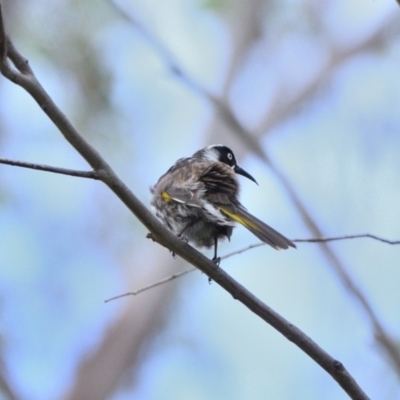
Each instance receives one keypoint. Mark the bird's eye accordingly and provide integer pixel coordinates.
(230, 156)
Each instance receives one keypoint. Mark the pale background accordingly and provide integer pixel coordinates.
(317, 82)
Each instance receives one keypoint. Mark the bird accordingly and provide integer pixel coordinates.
(198, 200)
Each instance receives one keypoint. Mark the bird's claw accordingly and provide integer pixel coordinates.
(216, 261)
(184, 239)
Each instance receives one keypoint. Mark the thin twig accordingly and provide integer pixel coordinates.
(153, 285)
(48, 168)
(319, 240)
(362, 235)
(244, 249)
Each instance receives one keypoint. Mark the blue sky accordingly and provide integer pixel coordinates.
(68, 244)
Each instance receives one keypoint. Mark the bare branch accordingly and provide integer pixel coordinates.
(48, 168)
(282, 110)
(6, 390)
(244, 20)
(252, 246)
(363, 235)
(153, 285)
(166, 55)
(26, 79)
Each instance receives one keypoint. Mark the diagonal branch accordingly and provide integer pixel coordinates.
(48, 168)
(27, 80)
(166, 55)
(5, 388)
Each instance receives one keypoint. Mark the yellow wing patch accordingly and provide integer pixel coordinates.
(166, 197)
(238, 218)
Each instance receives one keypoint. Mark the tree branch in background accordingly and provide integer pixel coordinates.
(24, 77)
(5, 388)
(284, 108)
(123, 348)
(252, 143)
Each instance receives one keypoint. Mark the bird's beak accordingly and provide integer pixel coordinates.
(241, 171)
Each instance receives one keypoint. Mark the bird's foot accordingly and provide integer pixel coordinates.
(216, 261)
(184, 239)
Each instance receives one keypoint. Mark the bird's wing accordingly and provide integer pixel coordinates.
(263, 231)
(219, 179)
(180, 195)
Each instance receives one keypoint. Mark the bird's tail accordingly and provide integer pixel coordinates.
(260, 229)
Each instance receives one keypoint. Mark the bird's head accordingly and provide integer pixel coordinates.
(223, 154)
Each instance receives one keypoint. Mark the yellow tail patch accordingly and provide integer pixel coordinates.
(238, 218)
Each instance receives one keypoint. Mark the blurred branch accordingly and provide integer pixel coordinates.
(42, 167)
(252, 143)
(166, 55)
(174, 66)
(244, 19)
(386, 342)
(252, 246)
(22, 75)
(281, 109)
(5, 388)
(122, 350)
